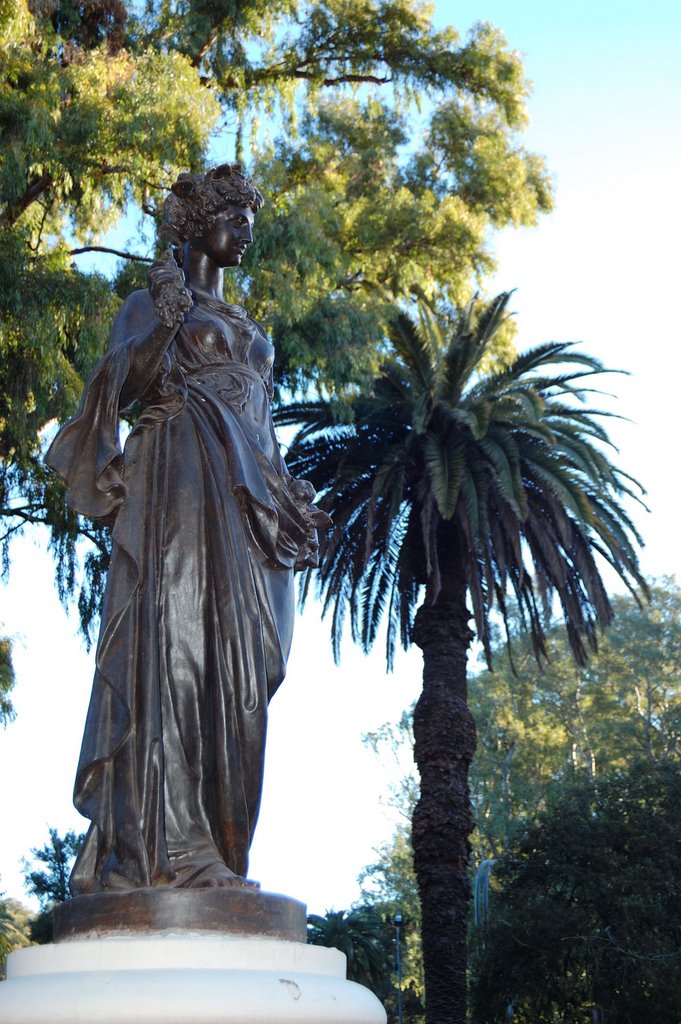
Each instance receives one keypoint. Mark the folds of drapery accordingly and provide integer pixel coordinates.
(195, 631)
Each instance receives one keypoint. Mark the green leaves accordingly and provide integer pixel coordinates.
(536, 725)
(584, 908)
(88, 128)
(387, 149)
(445, 459)
(6, 680)
(365, 939)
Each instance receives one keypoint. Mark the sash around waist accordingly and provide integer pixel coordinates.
(233, 382)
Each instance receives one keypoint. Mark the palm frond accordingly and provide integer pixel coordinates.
(509, 469)
(469, 344)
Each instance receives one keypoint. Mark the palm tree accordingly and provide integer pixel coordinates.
(450, 485)
(365, 939)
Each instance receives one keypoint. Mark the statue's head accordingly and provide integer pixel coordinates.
(195, 201)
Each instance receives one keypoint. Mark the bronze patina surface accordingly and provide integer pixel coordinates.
(208, 528)
(231, 911)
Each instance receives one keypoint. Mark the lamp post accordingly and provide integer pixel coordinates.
(397, 921)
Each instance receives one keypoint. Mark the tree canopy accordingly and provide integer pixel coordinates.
(537, 726)
(388, 155)
(50, 884)
(388, 885)
(586, 907)
(7, 680)
(496, 475)
(14, 929)
(359, 934)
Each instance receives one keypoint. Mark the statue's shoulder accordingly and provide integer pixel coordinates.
(138, 303)
(134, 316)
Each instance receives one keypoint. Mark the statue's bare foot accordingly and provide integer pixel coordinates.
(219, 876)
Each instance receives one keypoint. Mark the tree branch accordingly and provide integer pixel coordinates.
(15, 210)
(260, 76)
(373, 79)
(112, 252)
(29, 514)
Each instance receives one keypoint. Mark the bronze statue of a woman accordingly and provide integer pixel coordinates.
(208, 527)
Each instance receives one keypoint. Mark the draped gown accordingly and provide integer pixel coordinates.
(198, 610)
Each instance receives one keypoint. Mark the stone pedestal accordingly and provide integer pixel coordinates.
(198, 976)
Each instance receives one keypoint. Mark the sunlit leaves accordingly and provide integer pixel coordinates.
(537, 726)
(87, 128)
(7, 680)
(89, 136)
(15, 21)
(387, 150)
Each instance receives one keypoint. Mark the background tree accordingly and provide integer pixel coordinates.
(389, 886)
(7, 680)
(359, 933)
(14, 929)
(535, 727)
(51, 885)
(447, 480)
(586, 908)
(102, 104)
(90, 127)
(366, 934)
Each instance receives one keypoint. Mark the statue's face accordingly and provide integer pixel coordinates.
(226, 240)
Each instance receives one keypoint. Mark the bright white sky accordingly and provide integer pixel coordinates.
(604, 268)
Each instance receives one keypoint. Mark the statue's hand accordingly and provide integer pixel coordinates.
(171, 297)
(303, 494)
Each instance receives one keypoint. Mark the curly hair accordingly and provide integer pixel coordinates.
(195, 200)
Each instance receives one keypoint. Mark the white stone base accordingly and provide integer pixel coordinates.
(183, 979)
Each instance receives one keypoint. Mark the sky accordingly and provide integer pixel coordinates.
(604, 269)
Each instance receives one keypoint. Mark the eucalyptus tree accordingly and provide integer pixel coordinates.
(455, 484)
(90, 127)
(7, 680)
(383, 144)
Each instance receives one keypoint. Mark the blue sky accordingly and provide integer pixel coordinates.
(604, 268)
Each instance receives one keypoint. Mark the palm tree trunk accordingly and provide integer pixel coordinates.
(444, 744)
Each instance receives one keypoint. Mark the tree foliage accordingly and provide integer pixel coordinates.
(367, 935)
(498, 475)
(51, 884)
(389, 886)
(536, 726)
(15, 921)
(7, 680)
(586, 908)
(359, 934)
(388, 150)
(90, 128)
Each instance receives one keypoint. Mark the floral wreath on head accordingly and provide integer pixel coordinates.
(195, 201)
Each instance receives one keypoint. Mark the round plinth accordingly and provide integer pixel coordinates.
(180, 979)
(237, 911)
